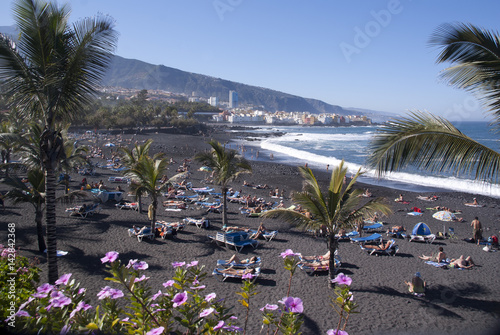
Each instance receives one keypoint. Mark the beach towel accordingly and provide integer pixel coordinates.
(438, 265)
(415, 213)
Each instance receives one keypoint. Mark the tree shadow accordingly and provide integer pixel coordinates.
(311, 325)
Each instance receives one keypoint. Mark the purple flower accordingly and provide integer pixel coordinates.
(288, 252)
(140, 265)
(336, 332)
(169, 283)
(342, 279)
(143, 277)
(247, 276)
(219, 325)
(178, 264)
(126, 319)
(210, 297)
(206, 312)
(22, 313)
(156, 331)
(30, 299)
(64, 279)
(131, 262)
(233, 317)
(269, 307)
(180, 299)
(154, 297)
(81, 305)
(39, 295)
(60, 301)
(111, 256)
(65, 330)
(45, 288)
(82, 290)
(193, 263)
(293, 305)
(108, 292)
(198, 287)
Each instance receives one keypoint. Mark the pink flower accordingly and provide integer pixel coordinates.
(108, 292)
(82, 290)
(64, 279)
(60, 301)
(178, 264)
(143, 277)
(22, 313)
(39, 295)
(288, 252)
(269, 307)
(206, 312)
(131, 262)
(154, 297)
(336, 332)
(193, 263)
(156, 331)
(111, 256)
(140, 265)
(45, 288)
(180, 299)
(210, 297)
(293, 305)
(342, 279)
(219, 325)
(81, 305)
(169, 283)
(198, 287)
(247, 276)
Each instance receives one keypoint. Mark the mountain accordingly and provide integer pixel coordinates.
(131, 73)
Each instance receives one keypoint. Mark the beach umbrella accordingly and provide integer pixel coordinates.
(109, 145)
(444, 216)
(205, 168)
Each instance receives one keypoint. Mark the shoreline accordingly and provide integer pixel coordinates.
(457, 301)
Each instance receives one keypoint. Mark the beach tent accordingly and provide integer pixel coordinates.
(421, 229)
(444, 216)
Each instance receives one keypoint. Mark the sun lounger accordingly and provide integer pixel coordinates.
(173, 225)
(370, 238)
(389, 248)
(239, 273)
(119, 179)
(348, 236)
(373, 227)
(237, 240)
(84, 212)
(200, 223)
(312, 269)
(140, 236)
(268, 235)
(128, 205)
(423, 238)
(246, 263)
(201, 190)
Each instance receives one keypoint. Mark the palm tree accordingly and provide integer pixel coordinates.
(129, 158)
(339, 207)
(227, 166)
(146, 175)
(433, 143)
(9, 143)
(50, 73)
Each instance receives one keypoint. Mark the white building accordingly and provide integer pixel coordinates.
(213, 101)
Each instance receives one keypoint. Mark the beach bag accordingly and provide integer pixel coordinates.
(487, 248)
(206, 224)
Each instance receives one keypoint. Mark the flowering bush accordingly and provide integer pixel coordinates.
(343, 303)
(19, 277)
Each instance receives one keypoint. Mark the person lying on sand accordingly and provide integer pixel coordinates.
(315, 263)
(462, 263)
(231, 228)
(441, 256)
(473, 203)
(382, 246)
(417, 285)
(396, 229)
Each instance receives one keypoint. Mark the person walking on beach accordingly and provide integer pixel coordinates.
(476, 230)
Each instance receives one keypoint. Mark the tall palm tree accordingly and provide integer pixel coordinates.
(339, 207)
(433, 143)
(50, 73)
(146, 175)
(227, 166)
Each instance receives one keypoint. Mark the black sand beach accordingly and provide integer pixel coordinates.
(457, 301)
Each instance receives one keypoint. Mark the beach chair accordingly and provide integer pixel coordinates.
(348, 235)
(140, 236)
(244, 264)
(239, 240)
(422, 232)
(238, 273)
(200, 223)
(310, 269)
(268, 235)
(373, 227)
(128, 205)
(84, 211)
(371, 238)
(389, 248)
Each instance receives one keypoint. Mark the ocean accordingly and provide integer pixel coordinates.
(322, 146)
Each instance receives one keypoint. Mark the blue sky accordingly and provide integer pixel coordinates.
(370, 54)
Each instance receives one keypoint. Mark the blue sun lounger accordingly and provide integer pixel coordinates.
(371, 238)
(247, 263)
(239, 273)
(372, 227)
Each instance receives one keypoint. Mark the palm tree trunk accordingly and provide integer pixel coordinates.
(139, 203)
(333, 244)
(224, 207)
(39, 228)
(50, 222)
(154, 204)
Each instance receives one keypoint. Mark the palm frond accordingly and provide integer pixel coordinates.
(432, 144)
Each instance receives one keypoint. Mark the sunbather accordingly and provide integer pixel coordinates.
(381, 246)
(231, 228)
(138, 231)
(441, 256)
(461, 262)
(235, 272)
(417, 285)
(315, 263)
(324, 257)
(396, 229)
(261, 230)
(236, 260)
